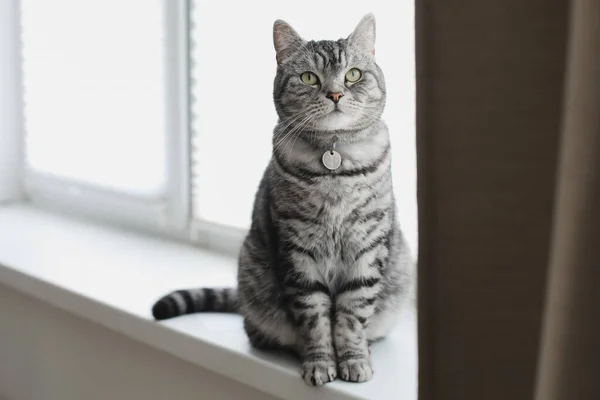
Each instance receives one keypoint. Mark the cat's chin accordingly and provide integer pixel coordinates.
(334, 121)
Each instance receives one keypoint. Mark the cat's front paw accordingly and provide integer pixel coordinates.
(358, 370)
(317, 373)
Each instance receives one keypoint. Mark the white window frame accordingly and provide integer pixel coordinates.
(169, 213)
(11, 117)
(168, 216)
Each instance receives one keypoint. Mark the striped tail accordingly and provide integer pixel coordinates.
(191, 301)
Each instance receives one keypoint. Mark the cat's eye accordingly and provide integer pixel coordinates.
(353, 75)
(308, 78)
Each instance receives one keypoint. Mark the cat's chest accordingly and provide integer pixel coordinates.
(337, 201)
(336, 229)
(340, 207)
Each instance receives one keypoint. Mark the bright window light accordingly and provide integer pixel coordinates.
(94, 93)
(233, 70)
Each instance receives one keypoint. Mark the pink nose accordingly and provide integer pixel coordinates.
(335, 97)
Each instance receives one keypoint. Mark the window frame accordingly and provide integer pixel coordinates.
(11, 110)
(168, 214)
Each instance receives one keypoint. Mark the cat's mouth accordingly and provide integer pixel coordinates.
(336, 119)
(337, 109)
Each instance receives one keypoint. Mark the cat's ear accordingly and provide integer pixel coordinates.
(285, 39)
(364, 34)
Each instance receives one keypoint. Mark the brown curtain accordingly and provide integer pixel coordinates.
(508, 136)
(569, 366)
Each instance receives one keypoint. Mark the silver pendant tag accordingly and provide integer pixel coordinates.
(332, 159)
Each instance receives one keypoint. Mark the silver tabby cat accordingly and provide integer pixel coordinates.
(324, 269)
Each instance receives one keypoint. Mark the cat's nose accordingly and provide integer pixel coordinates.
(335, 97)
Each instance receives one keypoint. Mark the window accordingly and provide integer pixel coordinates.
(159, 114)
(105, 109)
(95, 100)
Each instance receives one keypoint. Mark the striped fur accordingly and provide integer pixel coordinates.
(192, 301)
(324, 269)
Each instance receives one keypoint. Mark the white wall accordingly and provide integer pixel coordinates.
(10, 98)
(48, 354)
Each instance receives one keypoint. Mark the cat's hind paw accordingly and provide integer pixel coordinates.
(317, 373)
(358, 370)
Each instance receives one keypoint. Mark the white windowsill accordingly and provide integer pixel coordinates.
(112, 277)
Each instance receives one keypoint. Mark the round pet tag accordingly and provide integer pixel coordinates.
(332, 159)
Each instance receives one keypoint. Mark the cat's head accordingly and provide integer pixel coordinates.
(331, 87)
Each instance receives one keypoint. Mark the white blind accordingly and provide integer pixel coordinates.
(233, 67)
(94, 92)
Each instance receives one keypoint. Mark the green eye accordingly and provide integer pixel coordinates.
(353, 75)
(308, 78)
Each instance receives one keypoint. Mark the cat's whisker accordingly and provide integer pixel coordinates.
(300, 132)
(287, 134)
(282, 125)
(298, 129)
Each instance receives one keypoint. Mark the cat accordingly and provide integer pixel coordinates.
(324, 268)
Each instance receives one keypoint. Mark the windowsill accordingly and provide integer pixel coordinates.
(112, 277)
